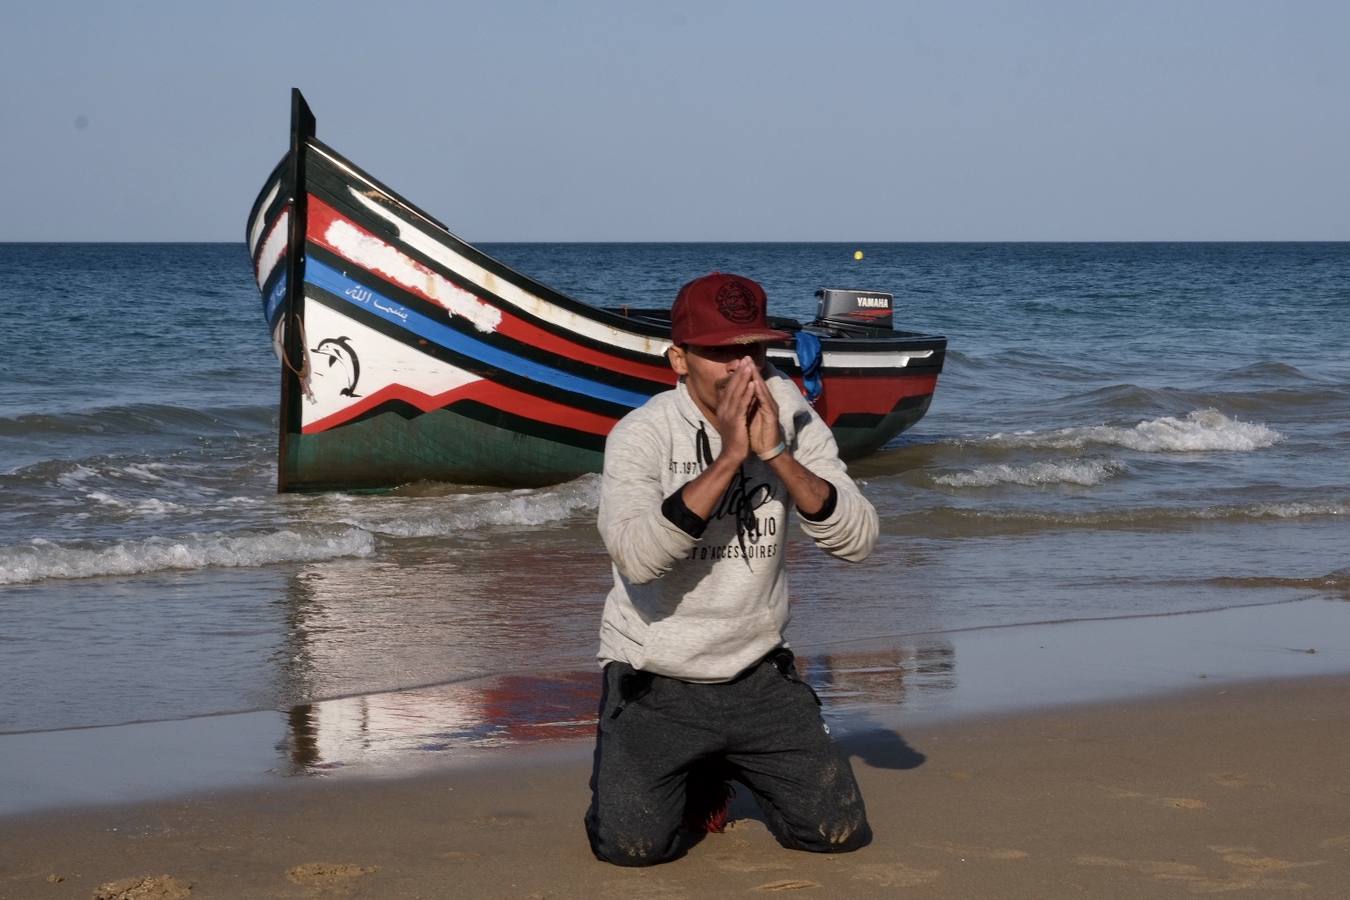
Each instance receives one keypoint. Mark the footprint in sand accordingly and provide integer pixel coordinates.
(1180, 802)
(147, 887)
(964, 852)
(1248, 858)
(337, 878)
(1247, 871)
(895, 875)
(1156, 868)
(737, 864)
(500, 820)
(1237, 780)
(1187, 803)
(642, 884)
(791, 884)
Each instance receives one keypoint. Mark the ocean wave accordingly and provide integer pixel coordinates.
(71, 477)
(75, 474)
(1266, 371)
(1121, 397)
(1337, 582)
(1285, 510)
(139, 418)
(984, 520)
(1251, 511)
(41, 560)
(1124, 398)
(152, 506)
(1200, 430)
(969, 360)
(1083, 472)
(458, 513)
(108, 479)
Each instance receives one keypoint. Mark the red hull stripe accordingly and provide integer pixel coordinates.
(882, 392)
(322, 216)
(495, 395)
(845, 395)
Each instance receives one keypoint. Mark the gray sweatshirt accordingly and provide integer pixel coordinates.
(704, 608)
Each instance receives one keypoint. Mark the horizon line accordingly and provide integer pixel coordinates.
(858, 243)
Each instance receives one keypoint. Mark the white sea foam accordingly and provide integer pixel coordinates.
(226, 502)
(75, 476)
(145, 471)
(1200, 430)
(1084, 472)
(41, 560)
(1281, 511)
(150, 507)
(1136, 517)
(437, 516)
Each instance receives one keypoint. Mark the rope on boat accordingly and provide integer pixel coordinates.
(301, 373)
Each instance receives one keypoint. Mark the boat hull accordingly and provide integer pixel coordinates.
(410, 355)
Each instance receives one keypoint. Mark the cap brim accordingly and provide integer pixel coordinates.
(733, 336)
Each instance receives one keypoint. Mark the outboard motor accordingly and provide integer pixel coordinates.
(854, 312)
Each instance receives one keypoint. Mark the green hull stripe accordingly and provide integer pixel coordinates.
(388, 449)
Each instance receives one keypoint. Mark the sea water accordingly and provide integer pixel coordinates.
(1121, 429)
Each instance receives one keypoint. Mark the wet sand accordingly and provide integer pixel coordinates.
(887, 684)
(1224, 788)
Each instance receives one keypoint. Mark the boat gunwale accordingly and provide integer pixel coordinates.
(495, 266)
(611, 317)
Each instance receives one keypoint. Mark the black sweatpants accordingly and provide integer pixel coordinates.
(763, 729)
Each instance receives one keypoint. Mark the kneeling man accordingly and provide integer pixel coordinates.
(699, 686)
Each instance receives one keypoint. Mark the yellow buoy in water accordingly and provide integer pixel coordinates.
(857, 254)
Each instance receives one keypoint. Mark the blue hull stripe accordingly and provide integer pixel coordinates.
(375, 303)
(272, 301)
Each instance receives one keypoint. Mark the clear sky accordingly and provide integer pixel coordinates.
(577, 121)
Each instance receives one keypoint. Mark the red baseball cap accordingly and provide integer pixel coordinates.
(720, 309)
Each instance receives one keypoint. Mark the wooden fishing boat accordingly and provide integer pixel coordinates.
(408, 354)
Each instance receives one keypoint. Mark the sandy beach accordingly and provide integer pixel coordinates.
(313, 357)
(1222, 789)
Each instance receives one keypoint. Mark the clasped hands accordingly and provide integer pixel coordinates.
(747, 415)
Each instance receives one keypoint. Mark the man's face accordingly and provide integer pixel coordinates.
(707, 370)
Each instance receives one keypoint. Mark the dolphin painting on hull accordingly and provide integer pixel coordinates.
(339, 350)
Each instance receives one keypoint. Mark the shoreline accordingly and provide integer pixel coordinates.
(821, 648)
(868, 686)
(1224, 787)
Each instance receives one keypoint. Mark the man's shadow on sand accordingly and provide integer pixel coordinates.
(880, 748)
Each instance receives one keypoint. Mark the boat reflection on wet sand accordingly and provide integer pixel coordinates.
(384, 732)
(887, 687)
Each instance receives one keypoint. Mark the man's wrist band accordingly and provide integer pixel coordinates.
(770, 454)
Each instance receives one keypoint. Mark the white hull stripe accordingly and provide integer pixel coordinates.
(255, 234)
(376, 256)
(897, 359)
(432, 248)
(273, 248)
